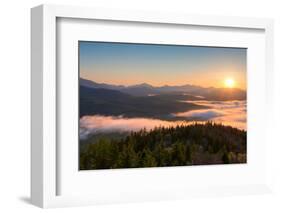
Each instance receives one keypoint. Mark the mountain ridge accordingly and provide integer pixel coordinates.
(144, 84)
(101, 101)
(145, 89)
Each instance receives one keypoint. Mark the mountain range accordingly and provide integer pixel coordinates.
(144, 100)
(144, 89)
(100, 101)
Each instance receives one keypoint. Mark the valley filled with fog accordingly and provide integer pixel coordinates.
(108, 108)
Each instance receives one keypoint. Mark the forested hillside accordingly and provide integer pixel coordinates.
(196, 144)
(112, 102)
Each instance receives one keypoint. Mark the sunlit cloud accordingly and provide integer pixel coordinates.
(226, 112)
(106, 124)
(231, 113)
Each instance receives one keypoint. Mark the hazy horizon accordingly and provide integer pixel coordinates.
(158, 65)
(156, 86)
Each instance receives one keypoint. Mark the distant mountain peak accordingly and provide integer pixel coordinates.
(142, 85)
(145, 89)
(93, 84)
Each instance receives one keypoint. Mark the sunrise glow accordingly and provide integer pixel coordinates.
(229, 83)
(131, 64)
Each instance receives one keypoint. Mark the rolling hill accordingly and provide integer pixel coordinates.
(103, 101)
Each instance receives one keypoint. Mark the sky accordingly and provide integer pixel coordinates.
(158, 65)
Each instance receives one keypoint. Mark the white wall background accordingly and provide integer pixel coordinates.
(15, 104)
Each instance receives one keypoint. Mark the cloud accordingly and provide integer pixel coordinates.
(227, 112)
(101, 124)
(231, 113)
(205, 114)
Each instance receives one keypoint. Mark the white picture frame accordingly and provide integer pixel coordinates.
(44, 148)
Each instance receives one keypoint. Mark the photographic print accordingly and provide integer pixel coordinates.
(156, 105)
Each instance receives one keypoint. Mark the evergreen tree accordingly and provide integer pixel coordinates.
(171, 146)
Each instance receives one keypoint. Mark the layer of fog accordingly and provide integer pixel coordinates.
(231, 113)
(107, 124)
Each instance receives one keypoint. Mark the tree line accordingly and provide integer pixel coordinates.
(197, 144)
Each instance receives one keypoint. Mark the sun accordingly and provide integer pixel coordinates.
(229, 83)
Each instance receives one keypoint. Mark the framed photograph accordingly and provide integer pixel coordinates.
(129, 106)
(136, 109)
